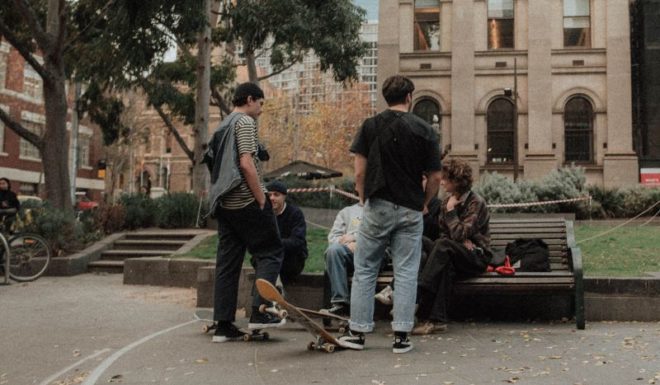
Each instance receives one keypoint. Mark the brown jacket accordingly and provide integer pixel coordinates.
(468, 220)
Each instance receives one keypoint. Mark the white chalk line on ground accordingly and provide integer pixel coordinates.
(98, 371)
(57, 375)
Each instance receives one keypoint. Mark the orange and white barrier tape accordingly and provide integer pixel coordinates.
(538, 203)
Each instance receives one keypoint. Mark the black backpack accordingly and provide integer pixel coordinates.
(529, 254)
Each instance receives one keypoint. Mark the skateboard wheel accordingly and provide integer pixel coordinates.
(284, 314)
(247, 337)
(341, 330)
(329, 348)
(262, 308)
(205, 328)
(311, 346)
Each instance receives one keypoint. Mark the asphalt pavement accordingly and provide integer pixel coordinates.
(92, 329)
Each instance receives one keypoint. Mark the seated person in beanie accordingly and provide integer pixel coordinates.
(293, 231)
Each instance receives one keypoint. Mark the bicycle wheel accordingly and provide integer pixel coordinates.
(29, 257)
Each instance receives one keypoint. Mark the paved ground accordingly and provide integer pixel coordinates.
(92, 329)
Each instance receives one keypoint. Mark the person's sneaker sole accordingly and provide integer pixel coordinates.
(252, 326)
(402, 350)
(351, 345)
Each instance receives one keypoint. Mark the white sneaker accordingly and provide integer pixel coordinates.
(385, 295)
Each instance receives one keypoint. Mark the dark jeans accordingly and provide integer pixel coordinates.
(447, 261)
(252, 229)
(292, 266)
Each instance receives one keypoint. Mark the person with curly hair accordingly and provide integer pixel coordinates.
(461, 251)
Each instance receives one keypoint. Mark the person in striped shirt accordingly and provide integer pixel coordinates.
(246, 221)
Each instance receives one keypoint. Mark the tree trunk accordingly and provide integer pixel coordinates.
(53, 153)
(200, 177)
(251, 62)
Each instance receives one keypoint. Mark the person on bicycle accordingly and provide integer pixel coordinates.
(9, 204)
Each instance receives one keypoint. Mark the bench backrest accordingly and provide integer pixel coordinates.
(552, 231)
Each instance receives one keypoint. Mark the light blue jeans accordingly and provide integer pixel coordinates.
(338, 265)
(383, 224)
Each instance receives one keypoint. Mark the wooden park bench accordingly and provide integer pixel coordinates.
(565, 262)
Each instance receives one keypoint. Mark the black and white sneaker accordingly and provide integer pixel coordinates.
(265, 320)
(352, 340)
(401, 343)
(339, 309)
(226, 331)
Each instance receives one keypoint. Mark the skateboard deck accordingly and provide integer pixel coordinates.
(206, 316)
(340, 325)
(323, 340)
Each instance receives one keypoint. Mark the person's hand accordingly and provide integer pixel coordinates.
(346, 239)
(425, 210)
(453, 201)
(351, 246)
(468, 244)
(261, 201)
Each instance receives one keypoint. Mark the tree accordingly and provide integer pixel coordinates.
(100, 41)
(288, 30)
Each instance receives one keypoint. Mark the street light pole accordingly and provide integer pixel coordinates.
(515, 119)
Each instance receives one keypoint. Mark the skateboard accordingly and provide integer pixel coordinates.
(210, 325)
(342, 322)
(323, 340)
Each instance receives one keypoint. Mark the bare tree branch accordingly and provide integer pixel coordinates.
(23, 50)
(220, 101)
(43, 39)
(170, 126)
(21, 131)
(59, 41)
(276, 72)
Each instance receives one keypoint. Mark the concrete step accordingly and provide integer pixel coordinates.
(157, 235)
(148, 244)
(120, 255)
(104, 266)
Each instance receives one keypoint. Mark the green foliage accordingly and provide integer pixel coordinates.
(291, 28)
(177, 210)
(567, 183)
(140, 211)
(59, 227)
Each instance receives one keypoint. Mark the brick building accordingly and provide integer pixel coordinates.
(21, 96)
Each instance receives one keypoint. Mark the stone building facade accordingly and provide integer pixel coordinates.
(571, 61)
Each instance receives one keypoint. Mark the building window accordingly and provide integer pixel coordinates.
(427, 25)
(500, 131)
(428, 110)
(578, 130)
(83, 151)
(27, 149)
(577, 23)
(32, 85)
(500, 24)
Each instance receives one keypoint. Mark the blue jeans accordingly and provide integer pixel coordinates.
(338, 265)
(384, 223)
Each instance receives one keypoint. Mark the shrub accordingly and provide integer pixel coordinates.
(140, 211)
(111, 218)
(57, 226)
(177, 210)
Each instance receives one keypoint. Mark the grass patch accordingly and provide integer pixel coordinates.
(625, 252)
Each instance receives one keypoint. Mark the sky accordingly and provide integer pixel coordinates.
(371, 6)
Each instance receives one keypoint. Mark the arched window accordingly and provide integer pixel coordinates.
(578, 130)
(427, 109)
(500, 131)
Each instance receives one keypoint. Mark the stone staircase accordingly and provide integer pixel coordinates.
(144, 243)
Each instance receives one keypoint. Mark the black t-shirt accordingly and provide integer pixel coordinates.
(399, 148)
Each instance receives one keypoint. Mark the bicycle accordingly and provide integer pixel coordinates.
(26, 256)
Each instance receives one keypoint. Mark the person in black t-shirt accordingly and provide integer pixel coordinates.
(392, 151)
